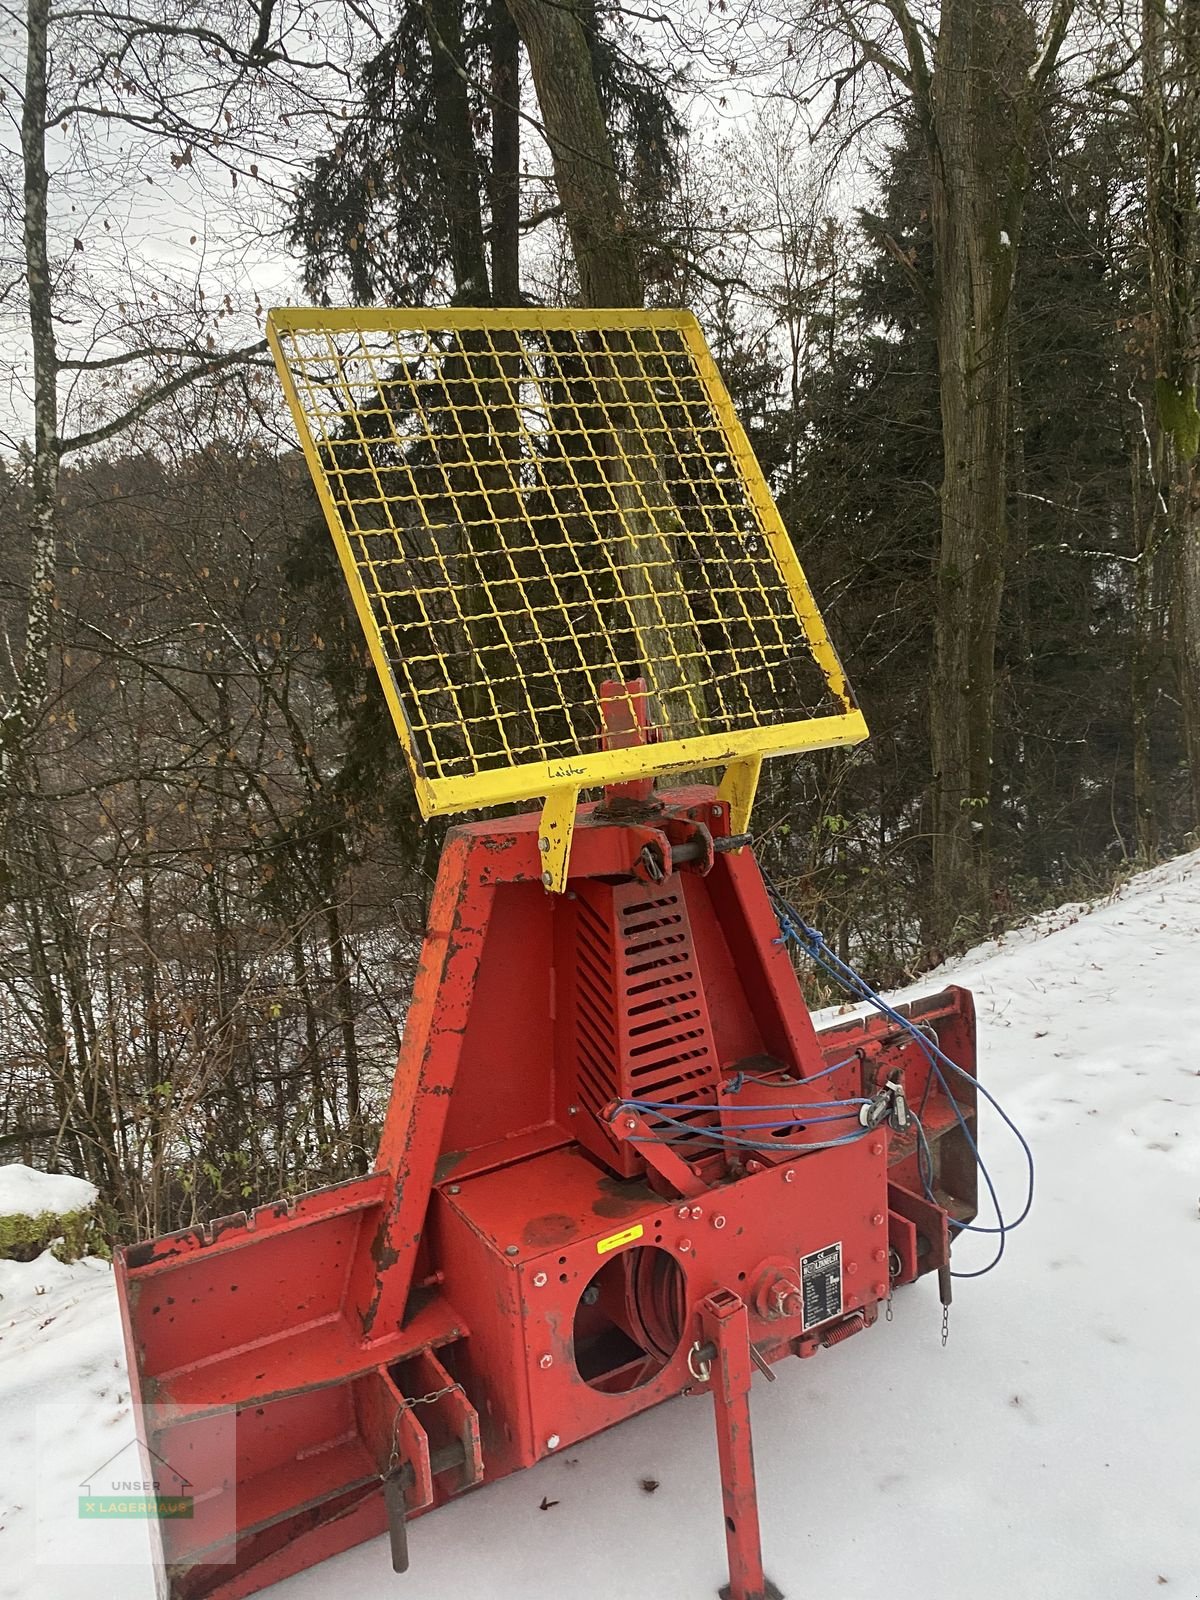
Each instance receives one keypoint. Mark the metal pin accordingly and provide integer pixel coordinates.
(763, 1365)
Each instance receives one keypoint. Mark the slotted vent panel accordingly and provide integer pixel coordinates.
(641, 1025)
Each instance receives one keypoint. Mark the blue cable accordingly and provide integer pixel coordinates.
(790, 1105)
(740, 1078)
(792, 926)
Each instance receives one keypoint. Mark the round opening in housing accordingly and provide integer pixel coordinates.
(629, 1319)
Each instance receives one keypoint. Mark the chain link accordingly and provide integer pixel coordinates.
(945, 1325)
(407, 1405)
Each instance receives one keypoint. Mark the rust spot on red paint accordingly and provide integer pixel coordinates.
(551, 1229)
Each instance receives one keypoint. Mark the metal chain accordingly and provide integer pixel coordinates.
(407, 1405)
(945, 1325)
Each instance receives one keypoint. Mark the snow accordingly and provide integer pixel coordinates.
(24, 1192)
(1051, 1448)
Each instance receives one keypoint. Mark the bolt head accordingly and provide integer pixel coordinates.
(512, 1250)
(553, 1442)
(716, 811)
(697, 1213)
(547, 880)
(631, 1123)
(539, 1280)
(718, 1222)
(789, 1176)
(684, 1213)
(546, 1361)
(877, 1220)
(852, 1267)
(454, 1188)
(544, 846)
(881, 1255)
(881, 1291)
(876, 1149)
(684, 1246)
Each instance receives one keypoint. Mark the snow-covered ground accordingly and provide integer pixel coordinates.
(1052, 1449)
(26, 1192)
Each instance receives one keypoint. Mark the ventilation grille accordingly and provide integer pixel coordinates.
(641, 1020)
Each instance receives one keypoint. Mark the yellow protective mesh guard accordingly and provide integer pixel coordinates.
(528, 503)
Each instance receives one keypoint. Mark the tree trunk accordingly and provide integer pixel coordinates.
(977, 131)
(456, 159)
(21, 715)
(1142, 657)
(1171, 129)
(586, 178)
(506, 157)
(584, 171)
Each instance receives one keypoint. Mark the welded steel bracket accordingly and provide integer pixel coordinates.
(555, 832)
(738, 788)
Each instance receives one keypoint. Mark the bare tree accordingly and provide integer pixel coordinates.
(106, 94)
(974, 74)
(1169, 106)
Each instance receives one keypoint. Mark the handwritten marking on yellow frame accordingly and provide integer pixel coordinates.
(528, 503)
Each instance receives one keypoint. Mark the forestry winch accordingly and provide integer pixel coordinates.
(619, 1164)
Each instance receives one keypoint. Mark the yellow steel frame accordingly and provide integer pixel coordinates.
(342, 371)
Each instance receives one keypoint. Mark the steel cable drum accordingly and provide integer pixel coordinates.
(527, 504)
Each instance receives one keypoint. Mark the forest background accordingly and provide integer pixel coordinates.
(948, 260)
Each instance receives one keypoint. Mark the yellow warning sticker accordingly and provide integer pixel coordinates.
(616, 1240)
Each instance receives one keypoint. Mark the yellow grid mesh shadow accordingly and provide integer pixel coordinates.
(526, 504)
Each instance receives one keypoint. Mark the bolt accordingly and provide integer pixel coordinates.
(716, 811)
(553, 1442)
(631, 1123)
(877, 1220)
(876, 1149)
(572, 1111)
(880, 1291)
(455, 1188)
(544, 846)
(881, 1255)
(546, 1361)
(684, 1213)
(512, 1250)
(547, 880)
(789, 1176)
(718, 1222)
(852, 1267)
(684, 1246)
(539, 1280)
(697, 1213)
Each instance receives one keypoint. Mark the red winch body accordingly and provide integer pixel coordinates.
(540, 1251)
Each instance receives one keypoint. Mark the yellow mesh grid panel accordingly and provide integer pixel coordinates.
(527, 504)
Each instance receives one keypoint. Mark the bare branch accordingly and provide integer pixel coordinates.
(153, 397)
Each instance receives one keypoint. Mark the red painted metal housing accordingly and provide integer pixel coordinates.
(534, 1259)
